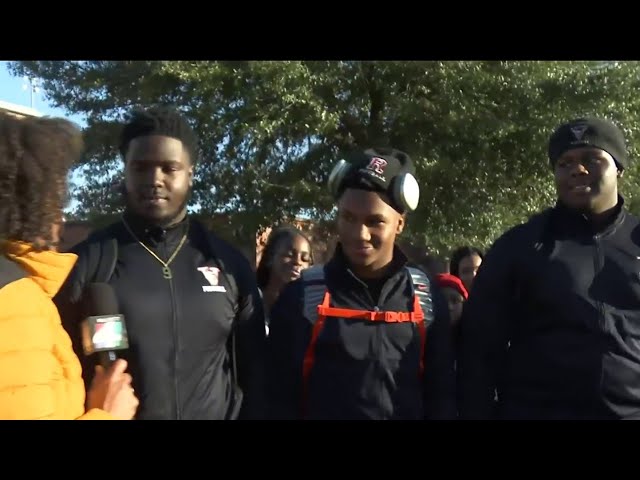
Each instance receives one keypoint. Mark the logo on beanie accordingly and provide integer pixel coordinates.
(377, 165)
(578, 131)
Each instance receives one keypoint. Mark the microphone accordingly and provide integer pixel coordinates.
(103, 330)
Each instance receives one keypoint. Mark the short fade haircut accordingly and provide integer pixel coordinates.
(160, 120)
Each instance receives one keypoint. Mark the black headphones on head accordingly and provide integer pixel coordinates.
(404, 190)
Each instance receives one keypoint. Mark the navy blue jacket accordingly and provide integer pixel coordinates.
(362, 369)
(553, 322)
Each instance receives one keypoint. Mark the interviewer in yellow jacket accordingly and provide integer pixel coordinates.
(40, 376)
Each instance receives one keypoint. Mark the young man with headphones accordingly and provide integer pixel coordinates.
(364, 336)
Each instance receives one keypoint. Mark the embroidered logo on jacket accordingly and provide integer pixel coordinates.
(211, 275)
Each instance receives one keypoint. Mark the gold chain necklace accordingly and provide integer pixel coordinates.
(166, 271)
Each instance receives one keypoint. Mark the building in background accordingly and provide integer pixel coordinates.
(19, 111)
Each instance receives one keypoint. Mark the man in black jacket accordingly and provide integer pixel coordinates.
(552, 324)
(192, 308)
(363, 337)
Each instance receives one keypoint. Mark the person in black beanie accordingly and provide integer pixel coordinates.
(552, 326)
(364, 337)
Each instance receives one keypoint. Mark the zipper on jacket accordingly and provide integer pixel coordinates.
(379, 368)
(597, 263)
(601, 318)
(176, 342)
(378, 339)
(375, 308)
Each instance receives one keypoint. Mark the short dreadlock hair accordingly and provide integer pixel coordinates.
(36, 154)
(161, 120)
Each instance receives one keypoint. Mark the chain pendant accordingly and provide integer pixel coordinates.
(166, 273)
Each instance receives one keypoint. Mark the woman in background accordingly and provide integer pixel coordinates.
(456, 294)
(465, 262)
(287, 252)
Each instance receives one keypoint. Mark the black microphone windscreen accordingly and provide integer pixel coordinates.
(101, 299)
(103, 330)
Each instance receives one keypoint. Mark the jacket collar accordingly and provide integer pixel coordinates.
(152, 234)
(47, 268)
(567, 219)
(339, 264)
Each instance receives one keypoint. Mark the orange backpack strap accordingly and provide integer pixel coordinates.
(315, 288)
(310, 353)
(317, 307)
(315, 296)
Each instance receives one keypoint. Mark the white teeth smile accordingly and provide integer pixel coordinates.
(581, 188)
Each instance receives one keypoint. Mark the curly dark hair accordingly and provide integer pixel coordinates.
(460, 253)
(279, 234)
(159, 120)
(36, 154)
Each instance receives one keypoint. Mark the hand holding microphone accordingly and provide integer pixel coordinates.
(112, 392)
(103, 334)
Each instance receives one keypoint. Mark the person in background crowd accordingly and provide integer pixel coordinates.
(287, 252)
(465, 262)
(432, 265)
(456, 294)
(552, 323)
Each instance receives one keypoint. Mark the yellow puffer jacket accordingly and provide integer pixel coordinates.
(40, 375)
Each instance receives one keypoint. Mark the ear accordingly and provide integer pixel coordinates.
(400, 226)
(620, 173)
(190, 173)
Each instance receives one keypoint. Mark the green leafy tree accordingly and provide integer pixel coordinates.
(271, 131)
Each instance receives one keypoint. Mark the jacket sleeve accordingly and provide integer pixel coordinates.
(40, 375)
(70, 307)
(484, 329)
(439, 379)
(250, 338)
(289, 334)
(71, 371)
(96, 414)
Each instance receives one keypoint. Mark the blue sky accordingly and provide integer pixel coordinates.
(15, 90)
(12, 89)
